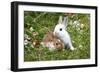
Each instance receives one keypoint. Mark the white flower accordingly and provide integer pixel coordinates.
(32, 46)
(82, 25)
(73, 41)
(31, 29)
(80, 46)
(76, 24)
(78, 29)
(26, 42)
(26, 37)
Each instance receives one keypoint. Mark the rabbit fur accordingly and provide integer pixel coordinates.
(61, 33)
(52, 42)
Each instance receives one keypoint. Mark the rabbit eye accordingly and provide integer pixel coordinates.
(60, 29)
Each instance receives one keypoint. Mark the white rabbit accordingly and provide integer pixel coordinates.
(61, 33)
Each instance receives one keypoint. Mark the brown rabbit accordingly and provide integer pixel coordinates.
(59, 45)
(52, 42)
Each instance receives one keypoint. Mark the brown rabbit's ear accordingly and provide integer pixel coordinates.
(47, 32)
(60, 20)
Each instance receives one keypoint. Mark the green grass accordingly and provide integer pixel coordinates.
(78, 28)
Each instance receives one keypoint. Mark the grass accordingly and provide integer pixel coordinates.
(78, 28)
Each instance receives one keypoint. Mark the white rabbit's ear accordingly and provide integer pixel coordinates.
(65, 21)
(60, 20)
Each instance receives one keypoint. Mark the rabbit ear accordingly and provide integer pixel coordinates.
(60, 20)
(65, 21)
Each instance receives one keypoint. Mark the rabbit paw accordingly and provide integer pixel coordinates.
(72, 48)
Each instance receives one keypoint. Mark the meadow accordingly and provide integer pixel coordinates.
(41, 22)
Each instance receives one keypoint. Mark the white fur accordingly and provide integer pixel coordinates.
(50, 45)
(63, 35)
